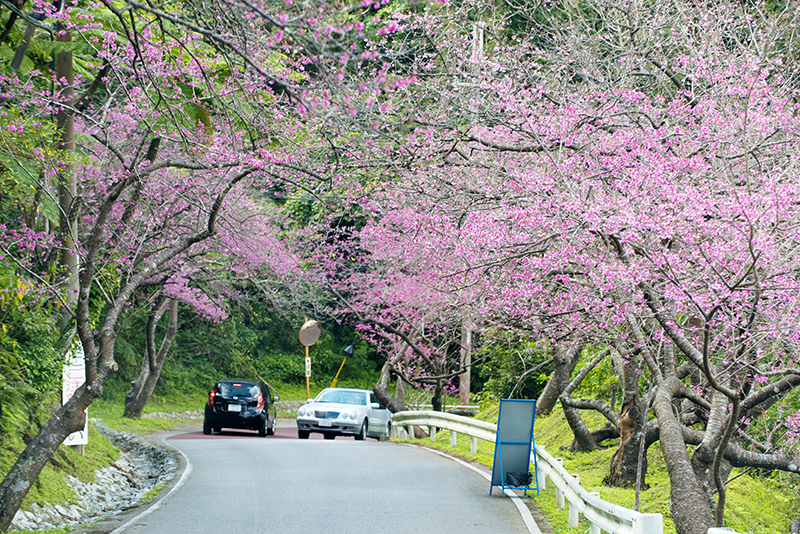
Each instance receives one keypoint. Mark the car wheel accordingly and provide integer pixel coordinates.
(362, 435)
(302, 434)
(206, 427)
(271, 428)
(328, 435)
(262, 430)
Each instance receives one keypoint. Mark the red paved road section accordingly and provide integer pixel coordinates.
(280, 433)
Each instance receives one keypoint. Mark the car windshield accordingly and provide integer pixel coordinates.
(343, 397)
(239, 389)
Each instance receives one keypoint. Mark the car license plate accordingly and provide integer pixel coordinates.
(234, 407)
(324, 422)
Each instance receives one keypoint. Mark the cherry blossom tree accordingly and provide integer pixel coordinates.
(623, 175)
(185, 122)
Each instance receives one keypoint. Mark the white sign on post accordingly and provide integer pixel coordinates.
(308, 366)
(74, 375)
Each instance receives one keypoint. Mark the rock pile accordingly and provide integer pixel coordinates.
(141, 467)
(189, 414)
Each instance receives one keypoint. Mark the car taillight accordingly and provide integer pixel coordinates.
(260, 400)
(211, 396)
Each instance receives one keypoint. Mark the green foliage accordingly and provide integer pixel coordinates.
(507, 357)
(30, 370)
(601, 381)
(24, 140)
(30, 336)
(250, 343)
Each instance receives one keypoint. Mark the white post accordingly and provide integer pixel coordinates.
(409, 432)
(452, 438)
(473, 444)
(648, 524)
(540, 474)
(433, 433)
(573, 509)
(573, 515)
(559, 499)
(559, 493)
(594, 529)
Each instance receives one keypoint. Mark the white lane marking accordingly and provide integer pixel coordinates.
(156, 506)
(527, 518)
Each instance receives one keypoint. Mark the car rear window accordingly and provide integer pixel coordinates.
(243, 389)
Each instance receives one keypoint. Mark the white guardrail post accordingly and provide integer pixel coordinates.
(541, 478)
(601, 515)
(559, 493)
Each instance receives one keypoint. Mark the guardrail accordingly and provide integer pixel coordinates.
(601, 515)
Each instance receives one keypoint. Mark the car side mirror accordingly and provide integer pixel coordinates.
(375, 405)
(275, 399)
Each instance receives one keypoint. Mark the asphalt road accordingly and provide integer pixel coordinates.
(240, 483)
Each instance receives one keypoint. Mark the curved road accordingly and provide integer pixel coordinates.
(240, 483)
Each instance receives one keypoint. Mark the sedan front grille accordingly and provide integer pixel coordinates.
(326, 415)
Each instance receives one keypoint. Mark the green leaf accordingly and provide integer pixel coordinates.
(22, 170)
(199, 115)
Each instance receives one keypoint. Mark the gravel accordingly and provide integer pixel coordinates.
(141, 467)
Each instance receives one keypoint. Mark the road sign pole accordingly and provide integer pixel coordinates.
(348, 351)
(309, 334)
(308, 375)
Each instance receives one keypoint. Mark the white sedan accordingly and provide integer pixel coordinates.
(342, 411)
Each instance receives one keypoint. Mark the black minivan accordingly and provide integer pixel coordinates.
(240, 403)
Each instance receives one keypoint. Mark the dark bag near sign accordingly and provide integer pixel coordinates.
(518, 479)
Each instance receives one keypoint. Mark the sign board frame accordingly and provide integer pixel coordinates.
(514, 443)
(73, 377)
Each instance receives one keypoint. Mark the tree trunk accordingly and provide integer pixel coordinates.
(466, 364)
(584, 440)
(436, 401)
(624, 463)
(386, 375)
(564, 362)
(383, 395)
(400, 391)
(15, 486)
(704, 453)
(67, 188)
(688, 504)
(152, 362)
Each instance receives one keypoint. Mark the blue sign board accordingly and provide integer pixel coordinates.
(513, 446)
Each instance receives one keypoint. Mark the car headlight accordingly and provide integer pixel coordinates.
(305, 412)
(350, 415)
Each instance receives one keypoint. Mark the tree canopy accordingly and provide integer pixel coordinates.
(609, 181)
